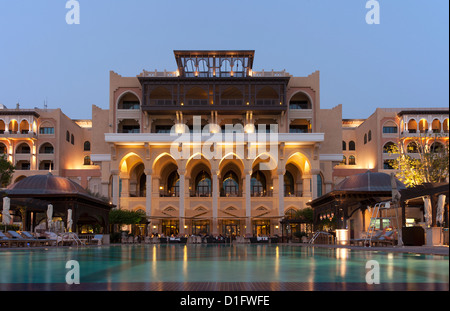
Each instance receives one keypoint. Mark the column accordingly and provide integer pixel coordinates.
(215, 200)
(314, 186)
(115, 188)
(148, 192)
(248, 203)
(281, 173)
(181, 221)
(307, 185)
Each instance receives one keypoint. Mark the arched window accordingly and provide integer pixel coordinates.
(23, 149)
(258, 184)
(390, 128)
(351, 145)
(3, 148)
(203, 184)
(365, 139)
(412, 126)
(87, 160)
(351, 160)
(437, 147)
(47, 148)
(412, 148)
(370, 135)
(173, 184)
(67, 136)
(72, 139)
(13, 127)
(423, 126)
(289, 185)
(87, 146)
(231, 184)
(24, 127)
(389, 147)
(344, 145)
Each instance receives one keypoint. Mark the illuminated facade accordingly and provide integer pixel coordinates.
(162, 145)
(227, 192)
(366, 142)
(37, 141)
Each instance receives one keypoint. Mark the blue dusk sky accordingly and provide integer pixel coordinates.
(402, 62)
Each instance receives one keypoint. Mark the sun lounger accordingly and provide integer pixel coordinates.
(4, 240)
(16, 237)
(37, 241)
(385, 239)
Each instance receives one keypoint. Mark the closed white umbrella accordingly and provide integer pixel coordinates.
(6, 216)
(69, 220)
(50, 216)
(440, 209)
(427, 210)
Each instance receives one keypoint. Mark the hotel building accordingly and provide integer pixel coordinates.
(163, 146)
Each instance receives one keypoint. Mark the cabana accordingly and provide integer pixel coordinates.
(31, 196)
(346, 206)
(413, 198)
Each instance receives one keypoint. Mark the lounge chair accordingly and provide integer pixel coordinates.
(4, 240)
(15, 236)
(385, 239)
(98, 238)
(36, 240)
(366, 241)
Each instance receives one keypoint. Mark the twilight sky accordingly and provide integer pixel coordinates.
(402, 62)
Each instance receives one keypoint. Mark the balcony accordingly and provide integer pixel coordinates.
(18, 135)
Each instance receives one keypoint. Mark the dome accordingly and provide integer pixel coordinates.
(369, 181)
(46, 185)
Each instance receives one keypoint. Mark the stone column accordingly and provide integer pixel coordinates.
(148, 192)
(248, 202)
(215, 200)
(115, 188)
(281, 173)
(307, 185)
(181, 215)
(314, 186)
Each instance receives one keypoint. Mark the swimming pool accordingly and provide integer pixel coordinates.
(142, 267)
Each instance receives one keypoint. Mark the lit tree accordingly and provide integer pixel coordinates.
(422, 159)
(6, 171)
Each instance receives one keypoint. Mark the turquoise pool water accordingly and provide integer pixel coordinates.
(217, 263)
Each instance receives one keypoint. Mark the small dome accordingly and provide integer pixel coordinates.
(368, 181)
(46, 184)
(3, 106)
